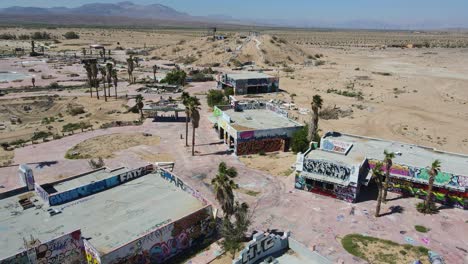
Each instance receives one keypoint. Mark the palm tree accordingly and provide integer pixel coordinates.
(231, 172)
(130, 68)
(377, 174)
(185, 101)
(194, 106)
(313, 128)
(94, 74)
(139, 103)
(388, 160)
(109, 68)
(89, 74)
(115, 79)
(102, 70)
(434, 170)
(223, 187)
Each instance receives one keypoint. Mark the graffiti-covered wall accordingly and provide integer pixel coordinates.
(330, 169)
(441, 195)
(445, 191)
(92, 255)
(67, 249)
(261, 246)
(169, 176)
(165, 242)
(255, 146)
(95, 187)
(345, 193)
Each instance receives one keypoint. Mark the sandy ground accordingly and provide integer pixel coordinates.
(106, 146)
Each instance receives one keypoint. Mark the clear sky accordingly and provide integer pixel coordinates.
(454, 12)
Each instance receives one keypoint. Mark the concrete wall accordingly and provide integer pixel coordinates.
(165, 242)
(262, 245)
(91, 254)
(95, 187)
(66, 249)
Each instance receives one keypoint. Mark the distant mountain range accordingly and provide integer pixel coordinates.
(130, 14)
(123, 13)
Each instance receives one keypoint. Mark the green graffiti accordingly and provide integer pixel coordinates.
(217, 112)
(441, 178)
(456, 200)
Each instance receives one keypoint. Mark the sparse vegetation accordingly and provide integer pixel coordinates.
(71, 35)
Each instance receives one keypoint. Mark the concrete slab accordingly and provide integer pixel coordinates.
(258, 119)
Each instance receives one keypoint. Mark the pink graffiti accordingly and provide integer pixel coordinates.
(395, 169)
(164, 250)
(247, 134)
(425, 240)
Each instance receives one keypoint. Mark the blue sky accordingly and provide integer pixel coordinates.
(389, 11)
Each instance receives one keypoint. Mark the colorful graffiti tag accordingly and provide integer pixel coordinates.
(180, 184)
(92, 255)
(345, 193)
(441, 195)
(276, 108)
(255, 146)
(164, 242)
(95, 187)
(246, 135)
(261, 246)
(336, 146)
(442, 178)
(328, 168)
(66, 249)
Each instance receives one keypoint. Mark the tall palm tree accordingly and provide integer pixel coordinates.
(231, 171)
(185, 101)
(223, 187)
(109, 68)
(115, 79)
(434, 170)
(89, 73)
(139, 103)
(103, 72)
(130, 68)
(316, 104)
(377, 174)
(388, 160)
(94, 74)
(194, 106)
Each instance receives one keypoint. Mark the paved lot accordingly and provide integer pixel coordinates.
(312, 219)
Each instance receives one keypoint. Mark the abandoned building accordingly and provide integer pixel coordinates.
(104, 216)
(252, 128)
(249, 83)
(342, 168)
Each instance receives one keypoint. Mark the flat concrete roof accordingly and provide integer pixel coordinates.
(109, 219)
(248, 75)
(411, 155)
(257, 119)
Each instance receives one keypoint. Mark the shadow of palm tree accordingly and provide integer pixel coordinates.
(397, 209)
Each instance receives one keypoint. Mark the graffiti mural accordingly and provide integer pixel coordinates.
(65, 249)
(255, 146)
(346, 193)
(441, 195)
(442, 178)
(92, 255)
(41, 192)
(261, 246)
(168, 176)
(276, 108)
(20, 258)
(164, 242)
(328, 168)
(302, 183)
(336, 146)
(95, 187)
(246, 135)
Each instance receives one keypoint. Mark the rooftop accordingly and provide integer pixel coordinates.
(257, 119)
(144, 203)
(248, 75)
(407, 154)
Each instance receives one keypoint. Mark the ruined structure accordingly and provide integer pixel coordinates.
(252, 127)
(249, 83)
(341, 167)
(104, 216)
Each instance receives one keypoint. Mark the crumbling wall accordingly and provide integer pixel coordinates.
(261, 246)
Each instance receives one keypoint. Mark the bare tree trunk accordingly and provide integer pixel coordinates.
(115, 87)
(97, 90)
(193, 142)
(379, 202)
(104, 89)
(313, 126)
(386, 184)
(186, 127)
(428, 202)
